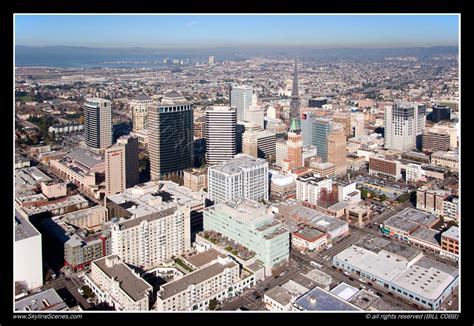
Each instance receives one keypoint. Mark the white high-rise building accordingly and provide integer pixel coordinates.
(242, 177)
(28, 254)
(148, 240)
(220, 134)
(139, 106)
(241, 97)
(255, 112)
(358, 124)
(281, 152)
(309, 188)
(404, 124)
(98, 123)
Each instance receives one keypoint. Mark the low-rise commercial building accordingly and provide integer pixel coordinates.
(450, 240)
(386, 167)
(446, 159)
(47, 300)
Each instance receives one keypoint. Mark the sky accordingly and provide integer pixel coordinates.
(184, 31)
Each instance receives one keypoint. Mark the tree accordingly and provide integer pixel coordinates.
(363, 193)
(383, 197)
(213, 304)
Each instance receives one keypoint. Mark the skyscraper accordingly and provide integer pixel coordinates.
(241, 98)
(220, 134)
(295, 98)
(121, 165)
(440, 113)
(337, 149)
(404, 124)
(171, 130)
(139, 106)
(322, 127)
(98, 123)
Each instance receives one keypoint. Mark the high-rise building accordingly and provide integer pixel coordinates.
(337, 149)
(151, 239)
(266, 145)
(357, 124)
(343, 118)
(317, 102)
(98, 123)
(220, 134)
(310, 188)
(295, 97)
(307, 119)
(321, 128)
(404, 124)
(171, 142)
(28, 254)
(253, 226)
(121, 165)
(434, 140)
(250, 143)
(242, 177)
(241, 98)
(255, 112)
(281, 152)
(241, 128)
(211, 59)
(295, 145)
(440, 113)
(139, 106)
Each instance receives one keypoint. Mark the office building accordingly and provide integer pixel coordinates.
(344, 118)
(282, 186)
(450, 240)
(28, 262)
(414, 172)
(337, 149)
(241, 98)
(317, 102)
(433, 140)
(253, 226)
(404, 124)
(323, 170)
(171, 144)
(250, 143)
(255, 112)
(195, 179)
(220, 134)
(446, 159)
(322, 128)
(117, 285)
(242, 177)
(441, 113)
(295, 145)
(281, 151)
(401, 269)
(385, 166)
(98, 123)
(44, 301)
(139, 106)
(358, 124)
(121, 165)
(266, 145)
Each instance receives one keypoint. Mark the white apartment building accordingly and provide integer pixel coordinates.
(118, 285)
(242, 177)
(195, 290)
(148, 240)
(404, 124)
(414, 172)
(220, 134)
(308, 188)
(28, 260)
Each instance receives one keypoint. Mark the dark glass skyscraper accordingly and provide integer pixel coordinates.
(171, 131)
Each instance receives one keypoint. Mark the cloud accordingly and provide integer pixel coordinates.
(192, 23)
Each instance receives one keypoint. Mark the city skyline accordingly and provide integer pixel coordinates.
(223, 30)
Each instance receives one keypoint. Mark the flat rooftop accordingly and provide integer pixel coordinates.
(170, 289)
(133, 222)
(309, 234)
(320, 300)
(409, 219)
(280, 295)
(23, 228)
(321, 278)
(204, 258)
(128, 281)
(239, 162)
(364, 299)
(85, 157)
(428, 235)
(452, 233)
(30, 176)
(344, 291)
(56, 204)
(47, 300)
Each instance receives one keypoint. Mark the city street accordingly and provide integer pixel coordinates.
(67, 286)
